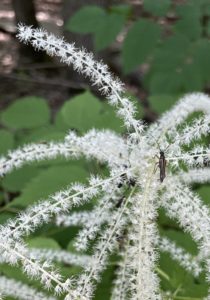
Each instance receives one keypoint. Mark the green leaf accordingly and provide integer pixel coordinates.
(174, 43)
(166, 83)
(182, 239)
(82, 111)
(85, 111)
(178, 277)
(63, 235)
(139, 44)
(43, 242)
(107, 30)
(158, 8)
(16, 273)
(165, 221)
(202, 59)
(6, 141)
(162, 103)
(86, 19)
(103, 291)
(208, 28)
(92, 19)
(109, 120)
(168, 56)
(48, 182)
(165, 61)
(206, 8)
(122, 9)
(174, 71)
(192, 78)
(17, 180)
(40, 135)
(191, 9)
(59, 122)
(191, 27)
(181, 280)
(5, 216)
(28, 112)
(71, 247)
(204, 192)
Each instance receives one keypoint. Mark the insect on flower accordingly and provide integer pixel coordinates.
(162, 165)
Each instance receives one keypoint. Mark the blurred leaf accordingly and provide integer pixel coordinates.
(42, 242)
(190, 9)
(85, 111)
(208, 28)
(166, 83)
(108, 119)
(86, 19)
(178, 43)
(166, 75)
(17, 180)
(166, 61)
(158, 8)
(60, 124)
(181, 239)
(81, 112)
(204, 192)
(165, 222)
(48, 182)
(71, 271)
(6, 141)
(63, 236)
(71, 247)
(177, 67)
(40, 135)
(181, 280)
(14, 272)
(171, 54)
(103, 291)
(206, 8)
(192, 80)
(139, 44)
(107, 30)
(122, 9)
(189, 26)
(5, 216)
(92, 19)
(201, 57)
(28, 112)
(161, 103)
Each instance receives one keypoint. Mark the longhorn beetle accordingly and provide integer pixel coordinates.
(162, 165)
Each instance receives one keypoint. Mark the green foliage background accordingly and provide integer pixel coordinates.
(173, 40)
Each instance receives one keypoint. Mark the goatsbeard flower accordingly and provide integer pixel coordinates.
(124, 218)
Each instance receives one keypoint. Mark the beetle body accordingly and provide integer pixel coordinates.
(162, 166)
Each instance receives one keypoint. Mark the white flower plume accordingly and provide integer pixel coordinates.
(124, 216)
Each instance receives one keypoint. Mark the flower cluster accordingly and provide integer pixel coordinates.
(124, 217)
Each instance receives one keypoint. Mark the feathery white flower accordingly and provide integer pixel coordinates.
(18, 290)
(83, 62)
(61, 256)
(129, 222)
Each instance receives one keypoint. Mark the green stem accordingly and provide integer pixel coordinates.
(162, 273)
